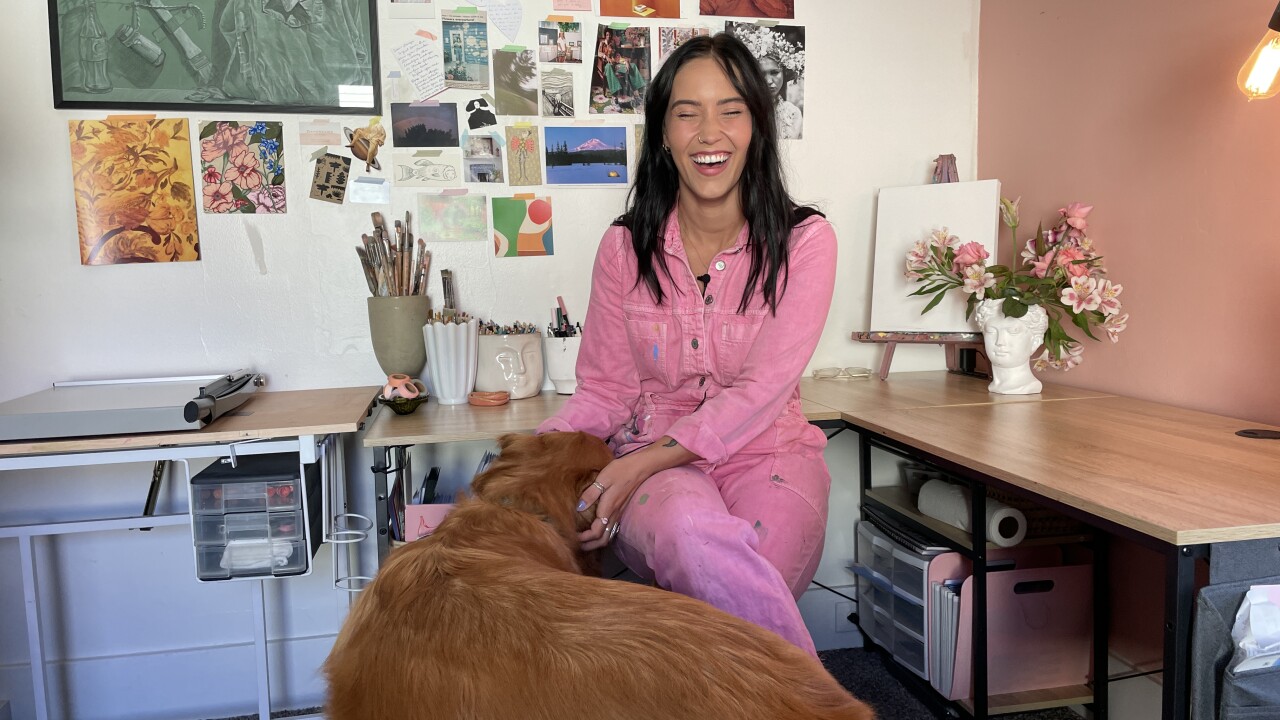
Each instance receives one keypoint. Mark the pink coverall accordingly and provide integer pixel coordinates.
(743, 528)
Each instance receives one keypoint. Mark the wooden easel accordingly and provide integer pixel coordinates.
(954, 342)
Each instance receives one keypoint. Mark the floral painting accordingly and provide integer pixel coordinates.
(134, 191)
(243, 167)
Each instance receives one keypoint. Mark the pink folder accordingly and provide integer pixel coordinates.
(422, 520)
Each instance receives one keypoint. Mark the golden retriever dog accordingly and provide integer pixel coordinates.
(492, 618)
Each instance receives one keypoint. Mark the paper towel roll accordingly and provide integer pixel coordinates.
(949, 503)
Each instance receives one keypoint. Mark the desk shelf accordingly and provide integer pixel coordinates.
(1031, 700)
(898, 500)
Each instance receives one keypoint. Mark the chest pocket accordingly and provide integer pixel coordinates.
(648, 341)
(737, 334)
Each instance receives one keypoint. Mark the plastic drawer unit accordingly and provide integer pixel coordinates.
(258, 519)
(891, 606)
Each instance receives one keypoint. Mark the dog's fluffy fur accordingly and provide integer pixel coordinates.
(491, 617)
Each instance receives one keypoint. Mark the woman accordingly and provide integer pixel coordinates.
(789, 118)
(719, 285)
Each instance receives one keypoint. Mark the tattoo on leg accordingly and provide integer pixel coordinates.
(669, 443)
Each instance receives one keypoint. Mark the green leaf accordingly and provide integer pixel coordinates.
(1039, 240)
(1013, 308)
(970, 305)
(936, 299)
(1082, 321)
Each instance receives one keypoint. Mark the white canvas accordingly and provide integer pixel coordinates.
(969, 210)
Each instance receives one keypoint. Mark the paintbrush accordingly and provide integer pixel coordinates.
(370, 276)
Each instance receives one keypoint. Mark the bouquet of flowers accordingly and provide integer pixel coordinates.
(1061, 271)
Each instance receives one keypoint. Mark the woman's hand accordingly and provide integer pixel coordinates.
(609, 494)
(618, 480)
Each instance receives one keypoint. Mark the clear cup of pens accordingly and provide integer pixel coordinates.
(560, 351)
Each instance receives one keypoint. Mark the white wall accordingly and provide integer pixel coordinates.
(889, 86)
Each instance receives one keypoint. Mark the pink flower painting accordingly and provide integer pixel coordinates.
(243, 167)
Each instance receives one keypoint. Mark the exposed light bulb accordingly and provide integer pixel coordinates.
(1257, 79)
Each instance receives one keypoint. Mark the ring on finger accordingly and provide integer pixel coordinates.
(598, 485)
(614, 530)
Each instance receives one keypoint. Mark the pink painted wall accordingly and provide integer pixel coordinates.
(1131, 105)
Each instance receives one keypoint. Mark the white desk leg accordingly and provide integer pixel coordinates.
(31, 598)
(260, 647)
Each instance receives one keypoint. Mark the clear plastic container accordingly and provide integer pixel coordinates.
(250, 558)
(221, 529)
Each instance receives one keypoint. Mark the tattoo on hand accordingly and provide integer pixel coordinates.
(669, 443)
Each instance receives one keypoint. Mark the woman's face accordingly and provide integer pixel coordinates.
(773, 76)
(708, 129)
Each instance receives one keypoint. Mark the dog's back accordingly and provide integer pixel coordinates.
(489, 618)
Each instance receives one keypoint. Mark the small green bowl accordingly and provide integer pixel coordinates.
(406, 406)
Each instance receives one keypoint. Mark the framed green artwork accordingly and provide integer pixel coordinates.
(282, 56)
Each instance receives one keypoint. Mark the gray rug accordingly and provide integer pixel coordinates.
(873, 677)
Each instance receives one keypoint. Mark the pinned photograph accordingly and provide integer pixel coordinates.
(329, 181)
(466, 49)
(559, 42)
(620, 73)
(428, 168)
(670, 38)
(524, 158)
(515, 82)
(364, 143)
(457, 216)
(780, 51)
(434, 125)
(482, 158)
(557, 93)
(780, 9)
(242, 165)
(586, 155)
(480, 114)
(522, 227)
(636, 9)
(134, 191)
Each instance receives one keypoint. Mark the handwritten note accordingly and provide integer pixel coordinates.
(505, 15)
(421, 61)
(584, 5)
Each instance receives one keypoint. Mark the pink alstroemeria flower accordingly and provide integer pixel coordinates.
(1075, 356)
(1045, 361)
(1082, 295)
(1029, 251)
(1040, 266)
(1109, 293)
(942, 239)
(918, 256)
(1075, 215)
(1114, 325)
(977, 279)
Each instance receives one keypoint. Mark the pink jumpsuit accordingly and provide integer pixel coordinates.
(743, 528)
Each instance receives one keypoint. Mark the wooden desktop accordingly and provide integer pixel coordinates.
(1174, 480)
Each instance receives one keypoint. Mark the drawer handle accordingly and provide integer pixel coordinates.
(1032, 586)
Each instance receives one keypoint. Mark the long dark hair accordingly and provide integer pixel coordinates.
(769, 209)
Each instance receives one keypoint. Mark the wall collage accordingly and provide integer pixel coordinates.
(462, 108)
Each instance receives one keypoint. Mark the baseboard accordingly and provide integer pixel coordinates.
(826, 615)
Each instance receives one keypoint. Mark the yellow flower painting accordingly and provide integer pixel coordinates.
(134, 191)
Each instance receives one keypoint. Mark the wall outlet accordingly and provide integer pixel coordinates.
(843, 609)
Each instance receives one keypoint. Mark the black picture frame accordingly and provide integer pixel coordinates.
(218, 55)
